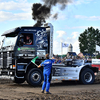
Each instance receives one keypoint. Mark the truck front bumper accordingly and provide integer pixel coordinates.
(7, 72)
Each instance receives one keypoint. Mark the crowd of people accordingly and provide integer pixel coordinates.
(59, 60)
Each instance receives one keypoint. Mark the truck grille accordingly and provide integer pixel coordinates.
(0, 61)
(5, 59)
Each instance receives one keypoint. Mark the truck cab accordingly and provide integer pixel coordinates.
(19, 46)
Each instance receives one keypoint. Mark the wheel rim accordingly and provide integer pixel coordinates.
(88, 77)
(36, 77)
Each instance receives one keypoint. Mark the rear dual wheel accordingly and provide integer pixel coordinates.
(87, 76)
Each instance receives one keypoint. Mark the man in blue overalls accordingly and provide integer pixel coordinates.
(47, 64)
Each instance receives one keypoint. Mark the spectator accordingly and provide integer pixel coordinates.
(28, 40)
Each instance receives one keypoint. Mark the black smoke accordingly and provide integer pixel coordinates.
(41, 12)
(51, 3)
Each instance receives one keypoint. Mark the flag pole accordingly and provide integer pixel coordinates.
(61, 51)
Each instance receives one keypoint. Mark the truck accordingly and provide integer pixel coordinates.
(16, 57)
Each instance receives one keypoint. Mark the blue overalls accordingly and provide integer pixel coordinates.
(47, 64)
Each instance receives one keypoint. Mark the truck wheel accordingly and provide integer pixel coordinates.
(87, 76)
(34, 77)
(19, 80)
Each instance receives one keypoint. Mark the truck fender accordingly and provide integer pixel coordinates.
(29, 66)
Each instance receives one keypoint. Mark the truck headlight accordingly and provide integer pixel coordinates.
(11, 73)
(11, 67)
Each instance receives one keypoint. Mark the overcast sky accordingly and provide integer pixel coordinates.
(78, 16)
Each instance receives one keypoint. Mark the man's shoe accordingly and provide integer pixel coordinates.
(42, 91)
(47, 92)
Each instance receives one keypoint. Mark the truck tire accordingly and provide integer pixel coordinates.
(18, 80)
(87, 76)
(34, 77)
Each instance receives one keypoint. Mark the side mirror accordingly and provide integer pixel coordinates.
(0, 44)
(21, 42)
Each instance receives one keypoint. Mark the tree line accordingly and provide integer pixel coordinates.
(88, 40)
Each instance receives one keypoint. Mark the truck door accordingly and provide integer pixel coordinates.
(26, 48)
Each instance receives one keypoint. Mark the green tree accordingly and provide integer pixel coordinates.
(97, 37)
(88, 40)
(83, 42)
(98, 56)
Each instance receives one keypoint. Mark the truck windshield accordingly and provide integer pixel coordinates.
(8, 41)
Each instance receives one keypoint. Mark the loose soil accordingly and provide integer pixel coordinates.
(69, 90)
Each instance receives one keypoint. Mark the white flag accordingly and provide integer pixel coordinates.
(65, 45)
(97, 48)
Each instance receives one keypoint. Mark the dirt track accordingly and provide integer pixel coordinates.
(59, 90)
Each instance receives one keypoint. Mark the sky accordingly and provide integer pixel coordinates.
(71, 22)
